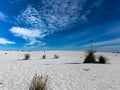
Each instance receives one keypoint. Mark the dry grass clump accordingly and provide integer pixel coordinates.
(38, 83)
(26, 56)
(90, 57)
(44, 56)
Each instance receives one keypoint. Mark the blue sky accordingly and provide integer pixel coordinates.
(59, 24)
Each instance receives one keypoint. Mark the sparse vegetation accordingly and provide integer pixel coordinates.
(90, 57)
(102, 60)
(56, 56)
(26, 56)
(44, 56)
(38, 83)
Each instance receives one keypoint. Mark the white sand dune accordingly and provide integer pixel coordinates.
(65, 73)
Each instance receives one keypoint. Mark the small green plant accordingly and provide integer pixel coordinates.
(56, 56)
(102, 60)
(38, 83)
(90, 57)
(26, 56)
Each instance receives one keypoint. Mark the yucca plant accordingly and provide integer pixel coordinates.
(26, 56)
(56, 56)
(90, 57)
(44, 56)
(38, 83)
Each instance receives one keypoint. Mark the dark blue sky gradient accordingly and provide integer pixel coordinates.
(59, 24)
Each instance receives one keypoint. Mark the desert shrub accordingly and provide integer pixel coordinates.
(26, 56)
(56, 56)
(44, 56)
(90, 57)
(102, 60)
(38, 83)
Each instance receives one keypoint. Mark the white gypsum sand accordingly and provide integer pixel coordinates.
(65, 73)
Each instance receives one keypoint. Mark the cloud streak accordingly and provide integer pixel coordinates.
(113, 30)
(29, 35)
(108, 42)
(109, 48)
(4, 41)
(2, 16)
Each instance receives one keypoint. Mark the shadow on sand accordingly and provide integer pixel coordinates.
(73, 63)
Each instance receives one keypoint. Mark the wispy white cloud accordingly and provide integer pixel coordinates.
(4, 41)
(109, 48)
(114, 41)
(25, 32)
(62, 13)
(50, 17)
(29, 35)
(108, 42)
(113, 30)
(55, 15)
(2, 16)
(31, 18)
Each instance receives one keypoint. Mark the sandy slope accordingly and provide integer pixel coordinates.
(65, 73)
